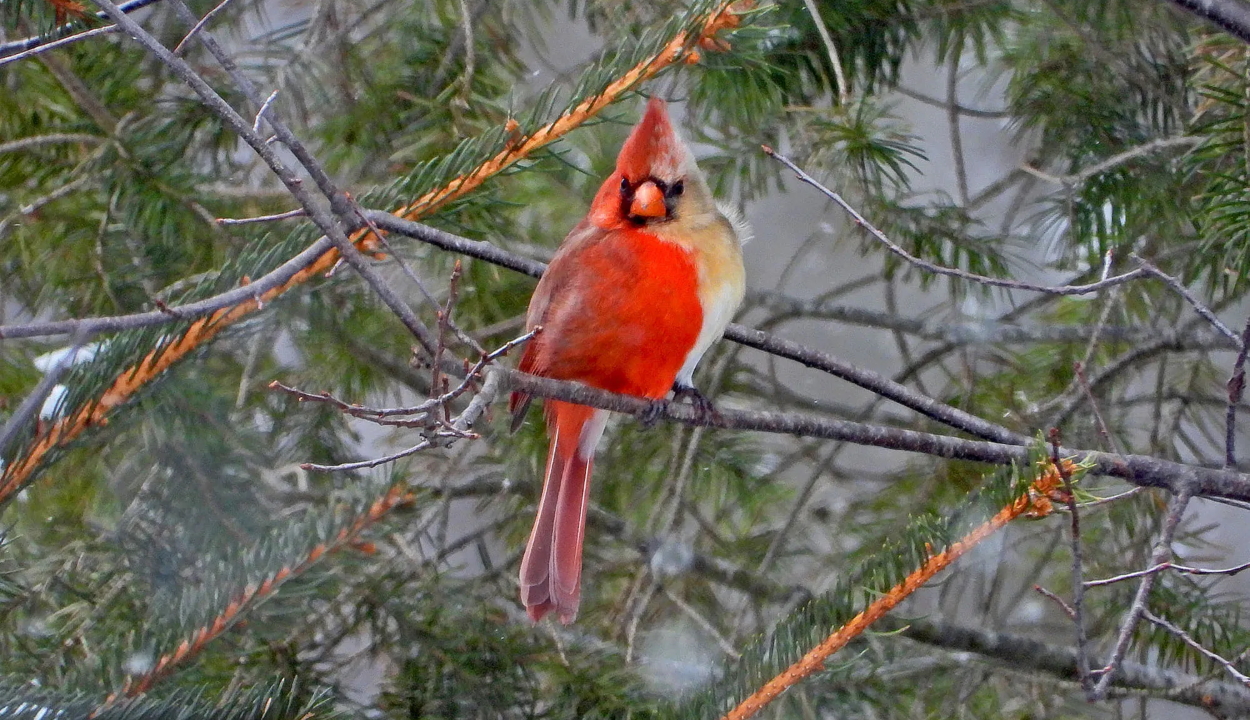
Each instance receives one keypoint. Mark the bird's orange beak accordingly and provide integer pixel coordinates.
(648, 201)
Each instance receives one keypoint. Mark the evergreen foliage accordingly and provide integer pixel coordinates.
(178, 539)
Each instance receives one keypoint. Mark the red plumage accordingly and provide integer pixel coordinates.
(621, 310)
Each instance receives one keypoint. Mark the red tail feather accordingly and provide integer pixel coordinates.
(551, 569)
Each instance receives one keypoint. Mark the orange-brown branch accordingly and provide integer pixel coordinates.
(252, 595)
(681, 48)
(1036, 501)
(131, 380)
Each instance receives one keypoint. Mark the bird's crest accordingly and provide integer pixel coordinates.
(653, 149)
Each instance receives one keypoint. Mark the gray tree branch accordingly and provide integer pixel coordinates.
(1232, 16)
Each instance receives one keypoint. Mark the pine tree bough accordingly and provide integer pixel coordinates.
(257, 593)
(1005, 445)
(1036, 502)
(20, 470)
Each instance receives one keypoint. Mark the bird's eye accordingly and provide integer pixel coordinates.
(624, 185)
(677, 188)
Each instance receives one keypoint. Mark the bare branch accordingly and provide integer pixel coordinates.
(200, 26)
(275, 279)
(20, 49)
(33, 206)
(368, 413)
(39, 49)
(1169, 566)
(954, 132)
(363, 464)
(1078, 577)
(264, 108)
(961, 109)
(1030, 655)
(49, 139)
(454, 243)
(1236, 387)
(1138, 469)
(1064, 606)
(1103, 429)
(844, 89)
(938, 269)
(1191, 642)
(1116, 160)
(297, 212)
(1231, 16)
(1162, 553)
(1197, 304)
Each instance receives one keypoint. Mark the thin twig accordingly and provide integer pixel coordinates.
(1103, 430)
(195, 29)
(35, 205)
(1191, 642)
(844, 89)
(368, 413)
(1114, 498)
(470, 52)
(1162, 553)
(1116, 160)
(1230, 571)
(1197, 304)
(1236, 388)
(938, 269)
(962, 109)
(444, 320)
(411, 274)
(264, 109)
(40, 49)
(49, 139)
(380, 236)
(42, 42)
(361, 465)
(297, 212)
(1078, 573)
(1071, 395)
(260, 287)
(725, 645)
(457, 429)
(952, 123)
(1067, 610)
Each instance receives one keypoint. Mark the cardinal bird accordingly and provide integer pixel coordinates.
(632, 299)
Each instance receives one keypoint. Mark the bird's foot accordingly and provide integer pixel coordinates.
(704, 410)
(656, 410)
